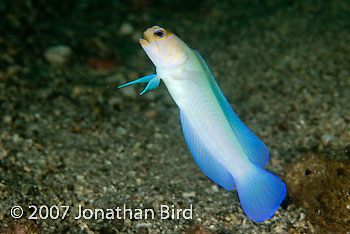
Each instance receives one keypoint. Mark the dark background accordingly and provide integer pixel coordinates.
(68, 136)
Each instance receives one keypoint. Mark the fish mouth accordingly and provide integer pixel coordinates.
(145, 41)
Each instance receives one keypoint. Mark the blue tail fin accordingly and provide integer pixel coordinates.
(260, 193)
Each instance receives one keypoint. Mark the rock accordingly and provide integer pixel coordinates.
(16, 138)
(21, 226)
(7, 119)
(102, 64)
(187, 195)
(321, 186)
(197, 229)
(126, 29)
(129, 92)
(57, 55)
(143, 225)
(326, 138)
(3, 153)
(215, 188)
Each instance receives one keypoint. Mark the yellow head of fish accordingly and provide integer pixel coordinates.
(163, 47)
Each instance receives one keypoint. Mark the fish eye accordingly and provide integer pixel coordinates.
(160, 33)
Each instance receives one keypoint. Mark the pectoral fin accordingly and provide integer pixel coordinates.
(141, 80)
(153, 80)
(154, 83)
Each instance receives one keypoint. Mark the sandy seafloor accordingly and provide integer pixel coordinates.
(69, 137)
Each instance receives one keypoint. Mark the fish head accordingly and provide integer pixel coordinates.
(163, 47)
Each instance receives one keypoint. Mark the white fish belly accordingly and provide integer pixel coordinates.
(208, 120)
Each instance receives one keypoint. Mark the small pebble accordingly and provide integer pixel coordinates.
(57, 55)
(215, 188)
(143, 225)
(138, 181)
(114, 101)
(187, 195)
(3, 153)
(121, 131)
(150, 113)
(126, 29)
(7, 119)
(129, 92)
(16, 138)
(77, 91)
(326, 138)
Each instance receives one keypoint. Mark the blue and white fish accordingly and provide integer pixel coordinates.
(225, 149)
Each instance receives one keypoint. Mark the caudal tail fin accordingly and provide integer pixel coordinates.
(260, 193)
